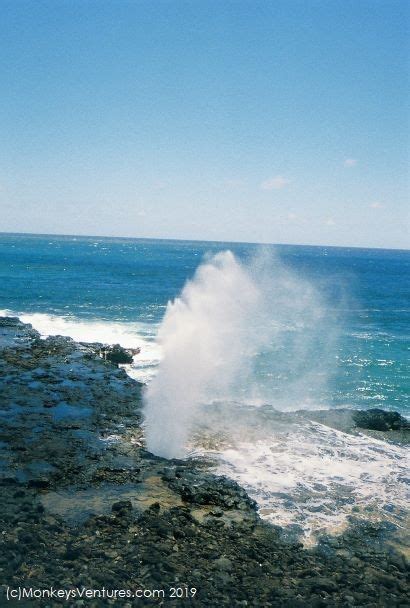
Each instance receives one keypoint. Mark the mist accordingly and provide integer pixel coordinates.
(252, 332)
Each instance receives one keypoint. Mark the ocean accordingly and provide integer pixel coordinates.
(116, 290)
(331, 332)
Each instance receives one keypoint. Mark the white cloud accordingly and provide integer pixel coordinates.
(141, 213)
(330, 222)
(350, 162)
(275, 183)
(376, 205)
(292, 217)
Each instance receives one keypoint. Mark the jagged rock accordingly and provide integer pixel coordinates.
(168, 473)
(14, 333)
(82, 529)
(11, 322)
(379, 420)
(117, 354)
(224, 564)
(122, 507)
(41, 484)
(207, 489)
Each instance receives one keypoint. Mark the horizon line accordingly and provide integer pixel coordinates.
(136, 238)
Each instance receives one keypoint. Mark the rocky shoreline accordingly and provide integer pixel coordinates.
(84, 505)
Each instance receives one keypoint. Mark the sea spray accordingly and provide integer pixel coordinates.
(214, 338)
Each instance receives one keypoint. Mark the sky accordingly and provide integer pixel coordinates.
(280, 121)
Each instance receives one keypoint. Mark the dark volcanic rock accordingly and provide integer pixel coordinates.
(389, 426)
(82, 503)
(14, 333)
(122, 507)
(206, 489)
(117, 354)
(11, 322)
(380, 420)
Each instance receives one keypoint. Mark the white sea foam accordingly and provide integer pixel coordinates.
(207, 394)
(306, 474)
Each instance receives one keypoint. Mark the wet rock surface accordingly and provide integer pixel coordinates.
(117, 354)
(379, 420)
(375, 422)
(83, 504)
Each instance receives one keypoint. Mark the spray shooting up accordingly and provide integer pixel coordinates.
(216, 338)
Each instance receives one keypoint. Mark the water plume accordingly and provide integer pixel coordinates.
(238, 331)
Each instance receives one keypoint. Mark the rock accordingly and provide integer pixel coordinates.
(72, 553)
(11, 322)
(387, 580)
(380, 420)
(323, 584)
(14, 333)
(231, 556)
(399, 561)
(26, 537)
(116, 354)
(168, 473)
(122, 507)
(206, 489)
(40, 484)
(223, 563)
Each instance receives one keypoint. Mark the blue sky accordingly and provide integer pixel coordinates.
(271, 121)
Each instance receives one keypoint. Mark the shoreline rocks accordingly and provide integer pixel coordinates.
(380, 420)
(375, 422)
(116, 354)
(85, 505)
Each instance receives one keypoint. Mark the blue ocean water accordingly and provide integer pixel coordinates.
(113, 289)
